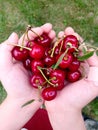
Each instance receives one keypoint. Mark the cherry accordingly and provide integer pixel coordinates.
(57, 76)
(31, 43)
(47, 71)
(56, 51)
(60, 86)
(27, 63)
(49, 61)
(43, 40)
(48, 51)
(49, 93)
(72, 40)
(67, 59)
(37, 80)
(19, 53)
(73, 76)
(35, 64)
(74, 65)
(37, 51)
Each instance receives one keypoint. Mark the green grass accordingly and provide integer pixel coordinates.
(82, 15)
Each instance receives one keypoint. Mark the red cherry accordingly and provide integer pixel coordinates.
(49, 61)
(27, 63)
(37, 51)
(49, 93)
(73, 76)
(74, 65)
(37, 80)
(31, 43)
(44, 40)
(72, 40)
(48, 51)
(57, 76)
(65, 61)
(35, 64)
(60, 86)
(19, 53)
(47, 71)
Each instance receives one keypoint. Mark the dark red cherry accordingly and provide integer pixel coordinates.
(31, 43)
(57, 76)
(35, 64)
(19, 53)
(72, 40)
(68, 58)
(47, 71)
(49, 61)
(27, 63)
(37, 51)
(37, 80)
(73, 76)
(74, 65)
(59, 86)
(44, 40)
(49, 93)
(48, 51)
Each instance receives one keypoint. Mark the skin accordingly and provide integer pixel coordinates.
(64, 111)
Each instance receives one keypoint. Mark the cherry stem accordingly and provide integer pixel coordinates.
(21, 46)
(61, 46)
(30, 28)
(45, 76)
(60, 59)
(56, 43)
(69, 45)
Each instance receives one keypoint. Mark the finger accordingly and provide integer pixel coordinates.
(78, 37)
(52, 34)
(93, 61)
(32, 34)
(69, 31)
(93, 72)
(46, 27)
(60, 34)
(6, 61)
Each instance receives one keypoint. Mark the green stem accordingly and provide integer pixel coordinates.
(45, 76)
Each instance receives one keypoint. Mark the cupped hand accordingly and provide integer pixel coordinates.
(13, 76)
(78, 94)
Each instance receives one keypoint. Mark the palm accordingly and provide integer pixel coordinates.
(80, 93)
(75, 95)
(12, 74)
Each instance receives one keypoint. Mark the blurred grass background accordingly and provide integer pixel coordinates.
(82, 15)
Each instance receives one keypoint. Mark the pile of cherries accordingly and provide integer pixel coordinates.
(51, 65)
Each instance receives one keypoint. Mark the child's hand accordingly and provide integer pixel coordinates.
(15, 80)
(74, 96)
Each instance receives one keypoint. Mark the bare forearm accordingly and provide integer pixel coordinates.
(71, 120)
(13, 116)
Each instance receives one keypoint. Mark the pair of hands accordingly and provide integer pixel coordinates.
(15, 81)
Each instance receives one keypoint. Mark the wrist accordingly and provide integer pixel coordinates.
(66, 119)
(12, 109)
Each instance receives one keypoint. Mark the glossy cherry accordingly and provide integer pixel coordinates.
(27, 63)
(35, 64)
(67, 59)
(49, 61)
(37, 80)
(44, 40)
(73, 76)
(19, 53)
(49, 93)
(74, 65)
(72, 40)
(37, 51)
(57, 76)
(31, 43)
